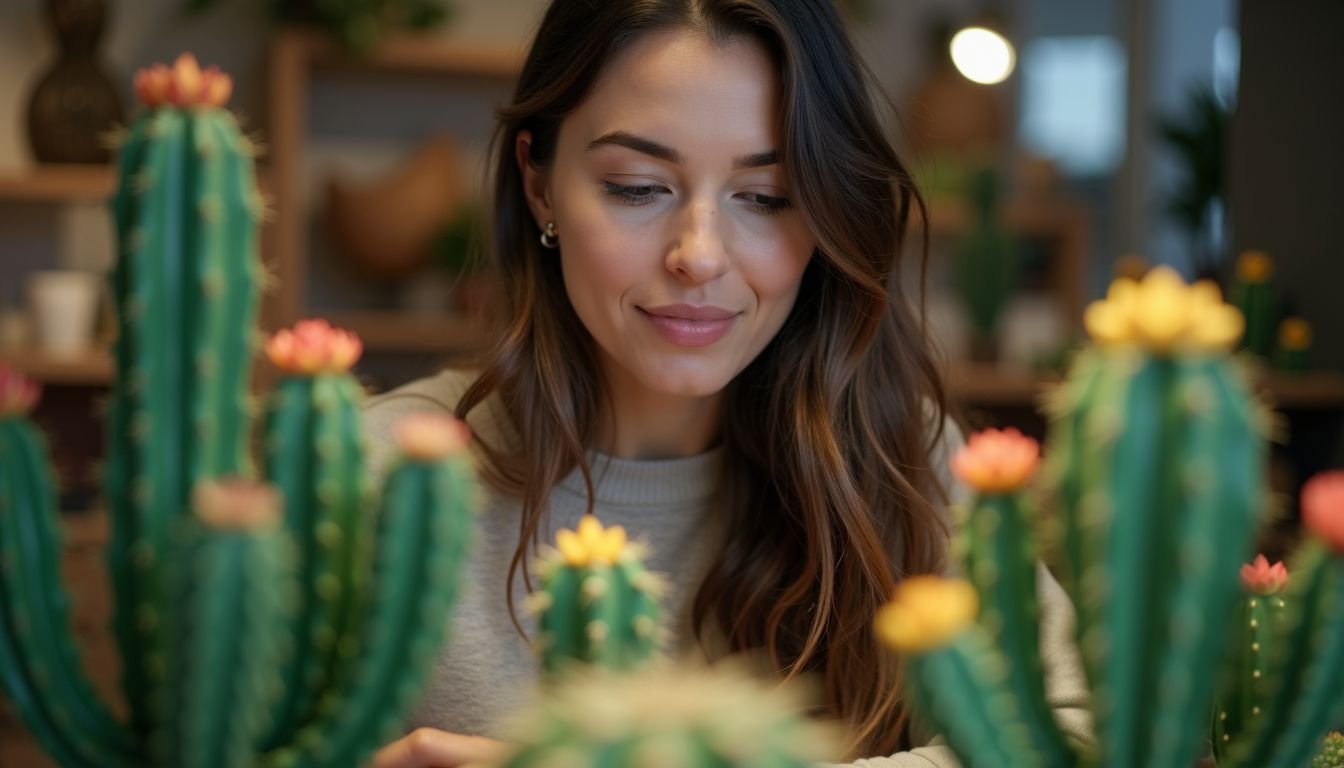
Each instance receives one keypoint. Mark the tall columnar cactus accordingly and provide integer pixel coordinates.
(664, 715)
(597, 603)
(1000, 556)
(1156, 458)
(1306, 666)
(313, 454)
(1157, 452)
(1252, 291)
(273, 627)
(186, 213)
(1245, 690)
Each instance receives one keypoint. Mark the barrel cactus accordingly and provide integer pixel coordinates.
(597, 603)
(278, 622)
(1154, 472)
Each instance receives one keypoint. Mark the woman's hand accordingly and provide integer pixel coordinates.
(431, 748)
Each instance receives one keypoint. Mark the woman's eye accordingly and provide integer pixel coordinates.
(766, 204)
(633, 195)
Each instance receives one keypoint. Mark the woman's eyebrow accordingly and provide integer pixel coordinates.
(654, 149)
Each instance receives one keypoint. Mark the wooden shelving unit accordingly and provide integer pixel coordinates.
(91, 368)
(295, 56)
(58, 184)
(413, 331)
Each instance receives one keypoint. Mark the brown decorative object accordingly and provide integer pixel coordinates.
(74, 102)
(385, 227)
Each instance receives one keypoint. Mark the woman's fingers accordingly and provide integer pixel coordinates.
(432, 748)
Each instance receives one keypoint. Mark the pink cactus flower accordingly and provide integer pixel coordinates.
(431, 436)
(1323, 508)
(1261, 578)
(997, 461)
(18, 393)
(184, 84)
(312, 347)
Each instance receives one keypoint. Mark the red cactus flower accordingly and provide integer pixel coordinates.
(431, 436)
(184, 84)
(997, 461)
(314, 346)
(18, 393)
(1261, 578)
(1323, 508)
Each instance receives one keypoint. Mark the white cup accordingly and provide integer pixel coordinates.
(64, 308)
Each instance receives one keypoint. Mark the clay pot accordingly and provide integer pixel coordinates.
(384, 228)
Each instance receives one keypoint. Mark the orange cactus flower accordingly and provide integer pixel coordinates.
(431, 436)
(591, 544)
(18, 393)
(1254, 267)
(1163, 314)
(997, 461)
(1261, 578)
(926, 612)
(1295, 333)
(184, 84)
(236, 504)
(1323, 508)
(312, 347)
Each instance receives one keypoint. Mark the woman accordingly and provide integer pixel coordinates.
(698, 219)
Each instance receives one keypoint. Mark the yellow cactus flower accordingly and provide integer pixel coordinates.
(591, 544)
(926, 612)
(997, 461)
(1295, 333)
(1254, 267)
(1164, 315)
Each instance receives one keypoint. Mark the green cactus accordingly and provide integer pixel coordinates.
(231, 575)
(1305, 669)
(313, 439)
(664, 715)
(1252, 291)
(294, 644)
(1256, 633)
(186, 213)
(1332, 752)
(597, 603)
(1000, 557)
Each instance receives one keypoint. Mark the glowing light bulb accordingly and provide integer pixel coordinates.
(982, 55)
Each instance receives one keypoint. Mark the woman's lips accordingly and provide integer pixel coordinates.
(690, 326)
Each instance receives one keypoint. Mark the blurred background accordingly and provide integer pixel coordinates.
(1058, 143)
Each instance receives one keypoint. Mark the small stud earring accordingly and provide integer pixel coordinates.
(548, 238)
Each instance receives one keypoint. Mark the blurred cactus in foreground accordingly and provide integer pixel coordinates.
(667, 715)
(281, 624)
(1332, 752)
(1155, 471)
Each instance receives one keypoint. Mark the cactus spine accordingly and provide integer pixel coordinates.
(1000, 557)
(597, 603)
(220, 617)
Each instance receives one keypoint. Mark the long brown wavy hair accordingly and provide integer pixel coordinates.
(830, 495)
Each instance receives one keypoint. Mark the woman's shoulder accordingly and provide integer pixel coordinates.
(434, 394)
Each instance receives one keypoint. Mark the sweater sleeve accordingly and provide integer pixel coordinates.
(1065, 684)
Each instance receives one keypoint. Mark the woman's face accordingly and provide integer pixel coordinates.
(681, 250)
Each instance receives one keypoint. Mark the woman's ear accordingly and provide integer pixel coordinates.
(536, 181)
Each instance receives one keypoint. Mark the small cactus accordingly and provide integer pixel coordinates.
(665, 715)
(1293, 353)
(1332, 752)
(1245, 692)
(1252, 292)
(597, 603)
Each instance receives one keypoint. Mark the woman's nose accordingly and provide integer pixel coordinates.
(698, 254)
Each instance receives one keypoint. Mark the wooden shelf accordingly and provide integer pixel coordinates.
(990, 386)
(405, 53)
(413, 331)
(58, 184)
(92, 368)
